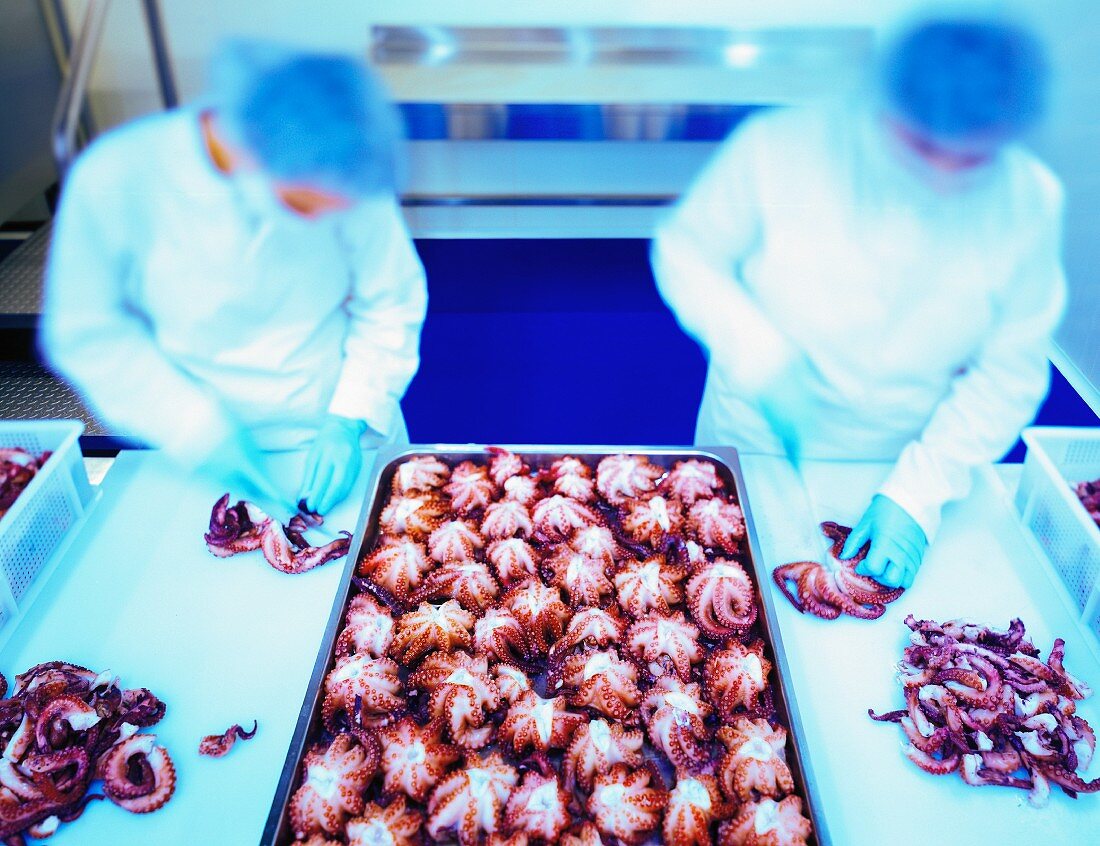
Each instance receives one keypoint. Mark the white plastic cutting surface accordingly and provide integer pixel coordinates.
(221, 641)
(980, 567)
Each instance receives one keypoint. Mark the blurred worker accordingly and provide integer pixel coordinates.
(235, 276)
(879, 280)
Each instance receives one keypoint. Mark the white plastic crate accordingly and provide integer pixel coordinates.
(1057, 459)
(39, 523)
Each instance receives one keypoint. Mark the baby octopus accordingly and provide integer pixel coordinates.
(414, 514)
(396, 566)
(573, 478)
(754, 761)
(471, 801)
(674, 714)
(721, 598)
(625, 805)
(649, 586)
(590, 627)
(470, 488)
(455, 542)
(558, 517)
(444, 627)
(468, 582)
(766, 823)
(717, 524)
(394, 825)
(373, 682)
(624, 477)
(693, 806)
(511, 680)
(596, 747)
(583, 579)
(652, 520)
(541, 612)
(506, 519)
(333, 784)
(664, 643)
(368, 628)
(596, 542)
(599, 680)
(461, 694)
(499, 636)
(692, 480)
(538, 725)
(735, 676)
(539, 808)
(420, 474)
(414, 758)
(505, 465)
(514, 560)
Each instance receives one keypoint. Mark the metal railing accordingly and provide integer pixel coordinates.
(81, 60)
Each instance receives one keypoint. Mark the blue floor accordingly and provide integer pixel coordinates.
(549, 341)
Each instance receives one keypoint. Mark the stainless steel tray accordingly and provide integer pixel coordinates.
(278, 832)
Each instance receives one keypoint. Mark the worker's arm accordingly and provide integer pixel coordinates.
(386, 309)
(96, 338)
(997, 395)
(697, 255)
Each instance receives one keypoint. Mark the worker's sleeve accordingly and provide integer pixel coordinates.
(99, 341)
(995, 397)
(386, 309)
(697, 256)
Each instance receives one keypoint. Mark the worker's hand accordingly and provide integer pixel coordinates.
(237, 462)
(786, 406)
(333, 463)
(897, 543)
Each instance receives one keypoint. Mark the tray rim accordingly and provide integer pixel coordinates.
(388, 456)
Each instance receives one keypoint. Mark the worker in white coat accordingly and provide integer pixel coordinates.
(879, 280)
(235, 276)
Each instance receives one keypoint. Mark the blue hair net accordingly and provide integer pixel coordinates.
(958, 79)
(318, 119)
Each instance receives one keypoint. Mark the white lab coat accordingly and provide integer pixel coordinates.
(925, 310)
(175, 308)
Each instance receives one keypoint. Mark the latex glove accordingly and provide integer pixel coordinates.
(333, 463)
(237, 462)
(786, 405)
(897, 543)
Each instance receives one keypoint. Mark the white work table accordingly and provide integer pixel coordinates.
(980, 567)
(220, 641)
(226, 641)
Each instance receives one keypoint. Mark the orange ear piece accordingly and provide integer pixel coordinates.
(310, 202)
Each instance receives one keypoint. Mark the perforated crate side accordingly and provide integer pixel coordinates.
(28, 543)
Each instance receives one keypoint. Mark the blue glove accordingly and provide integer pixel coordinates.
(786, 406)
(237, 462)
(333, 463)
(897, 543)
